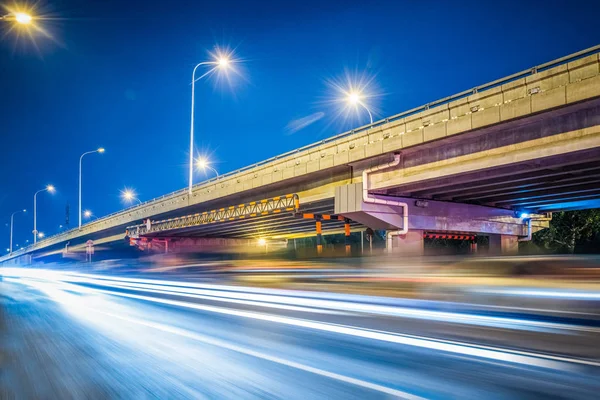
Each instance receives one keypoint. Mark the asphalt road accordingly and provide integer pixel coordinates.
(97, 337)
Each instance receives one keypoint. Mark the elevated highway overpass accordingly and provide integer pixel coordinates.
(471, 163)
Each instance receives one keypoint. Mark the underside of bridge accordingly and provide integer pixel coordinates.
(287, 225)
(544, 185)
(542, 163)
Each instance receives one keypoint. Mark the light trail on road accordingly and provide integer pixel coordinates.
(328, 336)
(269, 298)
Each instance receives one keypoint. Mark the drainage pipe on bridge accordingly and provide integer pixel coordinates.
(385, 200)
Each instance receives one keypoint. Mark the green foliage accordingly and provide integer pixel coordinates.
(570, 230)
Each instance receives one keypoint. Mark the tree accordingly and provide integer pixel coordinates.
(569, 229)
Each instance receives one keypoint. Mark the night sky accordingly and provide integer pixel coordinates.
(117, 74)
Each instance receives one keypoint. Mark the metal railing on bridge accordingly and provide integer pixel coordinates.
(273, 205)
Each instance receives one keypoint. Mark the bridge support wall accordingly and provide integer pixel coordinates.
(503, 244)
(411, 244)
(501, 225)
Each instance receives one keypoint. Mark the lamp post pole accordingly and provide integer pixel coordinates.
(213, 170)
(369, 111)
(221, 62)
(99, 150)
(12, 217)
(355, 98)
(48, 188)
(191, 171)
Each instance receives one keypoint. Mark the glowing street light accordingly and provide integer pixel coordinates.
(129, 195)
(12, 217)
(87, 213)
(263, 242)
(41, 235)
(355, 99)
(222, 62)
(26, 22)
(49, 189)
(99, 150)
(23, 18)
(19, 17)
(202, 163)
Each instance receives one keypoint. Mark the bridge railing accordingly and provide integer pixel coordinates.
(364, 128)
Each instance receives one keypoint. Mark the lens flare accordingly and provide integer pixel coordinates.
(129, 195)
(23, 18)
(28, 21)
(227, 69)
(202, 163)
(352, 100)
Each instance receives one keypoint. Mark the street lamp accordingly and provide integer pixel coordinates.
(41, 235)
(202, 163)
(49, 189)
(98, 150)
(87, 213)
(222, 62)
(21, 18)
(12, 217)
(355, 99)
(128, 195)
(263, 242)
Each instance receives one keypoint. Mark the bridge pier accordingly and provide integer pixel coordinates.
(501, 225)
(411, 244)
(503, 244)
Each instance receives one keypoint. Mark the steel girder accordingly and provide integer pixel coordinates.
(275, 205)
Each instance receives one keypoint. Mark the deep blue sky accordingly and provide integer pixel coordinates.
(117, 75)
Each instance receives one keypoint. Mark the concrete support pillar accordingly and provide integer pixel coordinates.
(473, 247)
(504, 244)
(347, 237)
(362, 242)
(411, 244)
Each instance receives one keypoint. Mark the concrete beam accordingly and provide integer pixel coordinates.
(556, 145)
(428, 215)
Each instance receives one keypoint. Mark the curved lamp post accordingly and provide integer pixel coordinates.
(128, 195)
(355, 99)
(98, 150)
(203, 164)
(222, 62)
(20, 18)
(12, 217)
(49, 189)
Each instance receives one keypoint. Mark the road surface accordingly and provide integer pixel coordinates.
(68, 335)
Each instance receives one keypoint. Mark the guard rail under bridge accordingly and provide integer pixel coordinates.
(192, 225)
